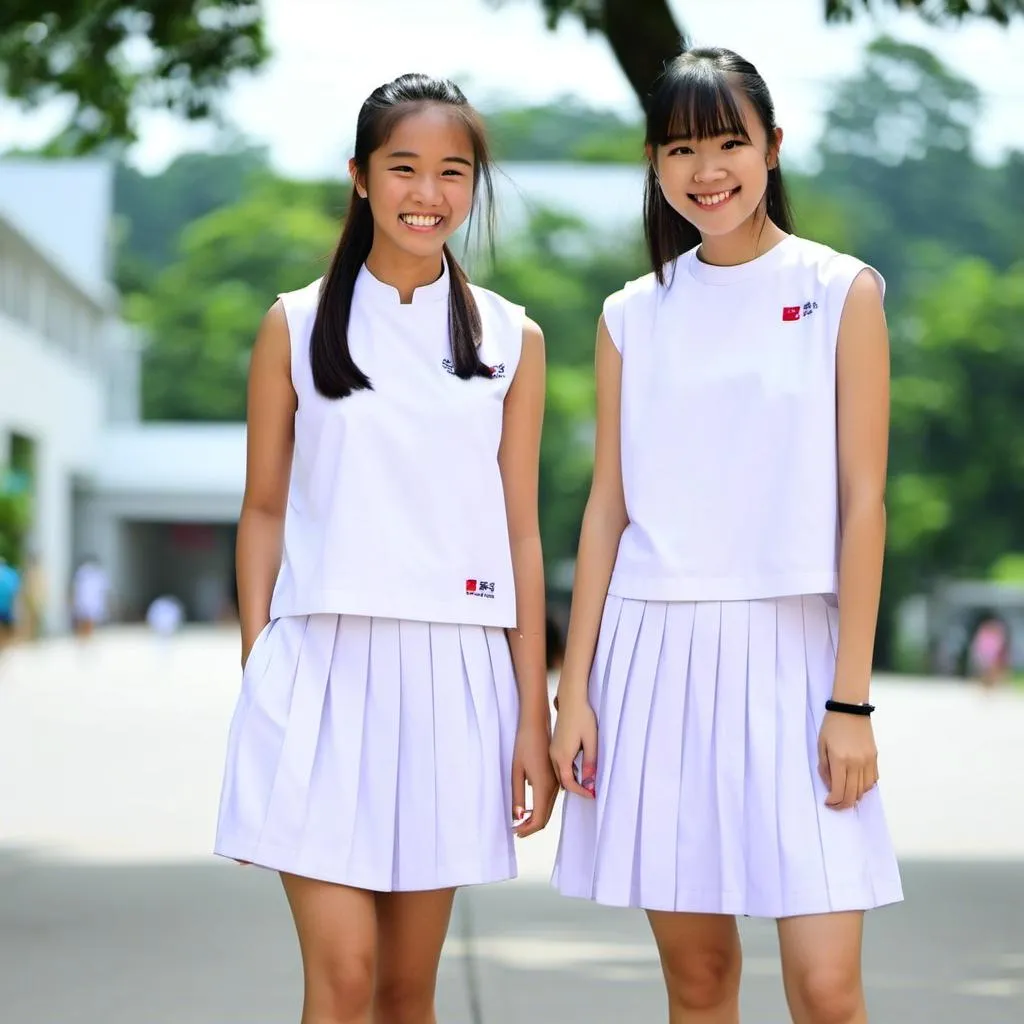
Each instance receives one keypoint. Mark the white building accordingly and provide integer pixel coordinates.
(156, 503)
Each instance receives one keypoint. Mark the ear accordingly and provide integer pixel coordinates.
(357, 181)
(773, 149)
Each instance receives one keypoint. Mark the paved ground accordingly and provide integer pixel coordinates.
(112, 912)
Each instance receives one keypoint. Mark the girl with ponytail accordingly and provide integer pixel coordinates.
(393, 701)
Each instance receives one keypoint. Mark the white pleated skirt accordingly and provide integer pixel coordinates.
(374, 753)
(708, 793)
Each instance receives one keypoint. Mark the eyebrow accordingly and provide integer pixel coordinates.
(407, 155)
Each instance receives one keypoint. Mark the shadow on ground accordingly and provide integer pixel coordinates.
(212, 944)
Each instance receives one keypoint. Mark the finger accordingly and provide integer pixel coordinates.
(837, 773)
(851, 794)
(568, 781)
(518, 791)
(823, 770)
(588, 774)
(544, 797)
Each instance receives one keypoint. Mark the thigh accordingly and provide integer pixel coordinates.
(337, 932)
(411, 929)
(810, 943)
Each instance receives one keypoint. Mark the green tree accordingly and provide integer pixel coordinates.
(561, 271)
(203, 310)
(643, 34)
(113, 57)
(957, 481)
(566, 129)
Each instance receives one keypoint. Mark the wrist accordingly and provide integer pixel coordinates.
(851, 689)
(535, 712)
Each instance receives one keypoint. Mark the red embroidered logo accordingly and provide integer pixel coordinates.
(479, 588)
(790, 312)
(470, 586)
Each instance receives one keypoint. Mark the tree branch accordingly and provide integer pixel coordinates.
(643, 36)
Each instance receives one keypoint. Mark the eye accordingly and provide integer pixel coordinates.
(679, 151)
(403, 169)
(734, 143)
(452, 172)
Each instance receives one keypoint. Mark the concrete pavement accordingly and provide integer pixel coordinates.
(111, 909)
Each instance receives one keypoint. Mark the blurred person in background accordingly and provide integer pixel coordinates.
(90, 597)
(394, 699)
(988, 655)
(33, 598)
(10, 586)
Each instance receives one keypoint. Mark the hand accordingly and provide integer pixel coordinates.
(847, 758)
(576, 730)
(530, 764)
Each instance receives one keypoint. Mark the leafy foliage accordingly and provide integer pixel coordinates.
(111, 57)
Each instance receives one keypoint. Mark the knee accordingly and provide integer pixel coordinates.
(404, 1000)
(340, 990)
(703, 979)
(831, 995)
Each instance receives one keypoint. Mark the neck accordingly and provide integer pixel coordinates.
(750, 240)
(402, 270)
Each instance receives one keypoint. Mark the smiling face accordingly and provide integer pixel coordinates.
(420, 182)
(713, 165)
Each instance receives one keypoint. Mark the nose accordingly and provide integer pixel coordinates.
(427, 190)
(709, 170)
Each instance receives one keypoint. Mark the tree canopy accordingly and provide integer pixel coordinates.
(111, 58)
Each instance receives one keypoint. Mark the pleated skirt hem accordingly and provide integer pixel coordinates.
(285, 859)
(708, 797)
(837, 899)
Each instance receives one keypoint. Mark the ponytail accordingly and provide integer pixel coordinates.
(335, 373)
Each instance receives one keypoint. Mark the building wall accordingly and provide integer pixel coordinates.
(51, 340)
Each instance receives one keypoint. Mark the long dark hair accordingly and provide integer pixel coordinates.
(335, 373)
(694, 98)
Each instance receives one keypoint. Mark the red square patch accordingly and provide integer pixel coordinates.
(470, 586)
(790, 312)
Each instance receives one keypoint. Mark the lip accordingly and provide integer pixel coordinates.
(711, 209)
(424, 230)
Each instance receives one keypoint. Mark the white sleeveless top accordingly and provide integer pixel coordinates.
(395, 505)
(728, 426)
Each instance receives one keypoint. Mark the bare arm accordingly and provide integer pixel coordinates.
(603, 522)
(862, 382)
(270, 436)
(519, 461)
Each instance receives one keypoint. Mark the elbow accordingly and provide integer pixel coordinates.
(864, 506)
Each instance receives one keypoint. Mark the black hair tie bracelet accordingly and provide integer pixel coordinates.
(849, 709)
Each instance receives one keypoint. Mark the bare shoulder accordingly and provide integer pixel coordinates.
(533, 336)
(865, 289)
(273, 339)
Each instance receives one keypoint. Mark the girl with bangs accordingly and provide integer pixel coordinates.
(714, 733)
(394, 699)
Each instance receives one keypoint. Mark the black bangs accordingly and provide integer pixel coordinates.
(696, 101)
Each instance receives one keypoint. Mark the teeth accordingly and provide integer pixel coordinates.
(713, 200)
(417, 220)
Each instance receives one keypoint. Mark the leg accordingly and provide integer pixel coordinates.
(338, 939)
(821, 968)
(411, 930)
(701, 960)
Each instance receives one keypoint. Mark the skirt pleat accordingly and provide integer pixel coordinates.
(708, 797)
(374, 753)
